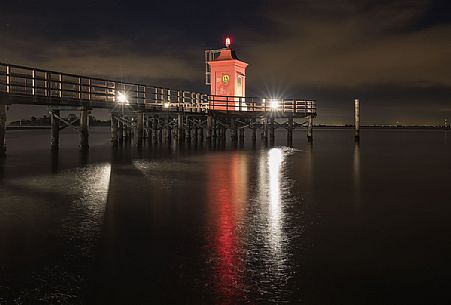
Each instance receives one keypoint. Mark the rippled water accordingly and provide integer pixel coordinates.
(327, 223)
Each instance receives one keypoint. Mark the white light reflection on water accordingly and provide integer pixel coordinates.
(270, 243)
(79, 196)
(275, 159)
(61, 212)
(93, 183)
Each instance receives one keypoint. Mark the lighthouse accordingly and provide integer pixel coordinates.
(228, 75)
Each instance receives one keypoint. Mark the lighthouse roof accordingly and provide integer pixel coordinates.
(227, 54)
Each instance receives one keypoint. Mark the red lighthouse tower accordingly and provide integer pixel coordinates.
(228, 75)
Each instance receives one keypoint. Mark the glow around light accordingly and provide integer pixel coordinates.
(122, 98)
(166, 105)
(274, 104)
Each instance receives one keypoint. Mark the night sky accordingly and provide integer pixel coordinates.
(394, 55)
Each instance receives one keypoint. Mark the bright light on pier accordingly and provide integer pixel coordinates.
(274, 104)
(122, 97)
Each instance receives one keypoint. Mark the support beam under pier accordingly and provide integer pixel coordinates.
(55, 130)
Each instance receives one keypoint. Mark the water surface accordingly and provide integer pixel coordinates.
(325, 223)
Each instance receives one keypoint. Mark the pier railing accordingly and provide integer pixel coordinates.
(45, 87)
(257, 104)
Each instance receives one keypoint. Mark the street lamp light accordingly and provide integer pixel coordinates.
(274, 104)
(122, 98)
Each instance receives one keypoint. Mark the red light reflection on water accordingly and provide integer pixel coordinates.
(227, 194)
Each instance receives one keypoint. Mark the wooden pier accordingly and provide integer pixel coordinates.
(148, 112)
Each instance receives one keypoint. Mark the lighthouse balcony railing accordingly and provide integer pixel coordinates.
(261, 105)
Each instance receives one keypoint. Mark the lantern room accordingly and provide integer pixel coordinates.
(228, 73)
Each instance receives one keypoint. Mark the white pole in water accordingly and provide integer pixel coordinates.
(357, 119)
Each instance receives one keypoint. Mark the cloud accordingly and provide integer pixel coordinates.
(350, 43)
(104, 57)
(326, 43)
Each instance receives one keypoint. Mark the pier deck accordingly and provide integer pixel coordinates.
(143, 107)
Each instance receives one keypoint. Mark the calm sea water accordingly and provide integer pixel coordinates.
(327, 223)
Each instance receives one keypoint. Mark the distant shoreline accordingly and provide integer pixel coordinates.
(13, 127)
(26, 127)
(383, 127)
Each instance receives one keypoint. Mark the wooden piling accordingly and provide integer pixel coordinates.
(254, 136)
(84, 129)
(188, 130)
(180, 131)
(209, 128)
(160, 134)
(272, 131)
(241, 136)
(55, 130)
(310, 128)
(219, 131)
(234, 128)
(125, 132)
(169, 130)
(114, 128)
(357, 119)
(223, 137)
(120, 132)
(2, 130)
(155, 129)
(290, 132)
(265, 130)
(201, 134)
(146, 127)
(131, 133)
(140, 127)
(196, 131)
(215, 129)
